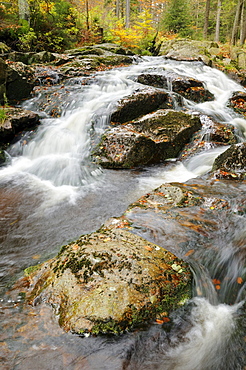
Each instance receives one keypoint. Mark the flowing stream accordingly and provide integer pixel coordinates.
(51, 193)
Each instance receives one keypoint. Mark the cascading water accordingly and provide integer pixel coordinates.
(51, 193)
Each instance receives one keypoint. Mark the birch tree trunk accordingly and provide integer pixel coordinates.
(127, 13)
(24, 10)
(117, 8)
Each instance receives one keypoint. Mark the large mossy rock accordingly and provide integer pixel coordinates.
(231, 163)
(188, 87)
(184, 49)
(110, 281)
(150, 139)
(140, 103)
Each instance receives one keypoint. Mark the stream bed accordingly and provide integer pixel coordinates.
(51, 193)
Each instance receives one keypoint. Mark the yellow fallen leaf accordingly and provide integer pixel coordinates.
(36, 256)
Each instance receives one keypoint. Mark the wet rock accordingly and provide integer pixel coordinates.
(47, 76)
(140, 103)
(3, 79)
(150, 139)
(110, 281)
(222, 134)
(214, 134)
(188, 87)
(2, 156)
(238, 102)
(231, 163)
(20, 81)
(17, 120)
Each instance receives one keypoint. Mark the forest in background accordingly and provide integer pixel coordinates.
(56, 25)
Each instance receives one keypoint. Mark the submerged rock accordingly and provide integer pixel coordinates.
(231, 163)
(150, 139)
(188, 87)
(110, 281)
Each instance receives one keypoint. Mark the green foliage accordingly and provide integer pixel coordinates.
(3, 116)
(177, 18)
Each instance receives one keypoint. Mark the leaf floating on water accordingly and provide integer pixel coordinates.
(239, 280)
(189, 252)
(36, 256)
(216, 282)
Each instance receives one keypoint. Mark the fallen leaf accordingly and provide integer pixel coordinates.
(106, 239)
(75, 247)
(36, 256)
(165, 319)
(239, 280)
(216, 282)
(189, 252)
(148, 248)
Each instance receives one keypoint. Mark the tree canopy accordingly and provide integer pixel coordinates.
(59, 24)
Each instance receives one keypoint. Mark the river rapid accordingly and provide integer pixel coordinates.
(51, 193)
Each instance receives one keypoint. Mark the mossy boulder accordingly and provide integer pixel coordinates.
(110, 281)
(231, 163)
(149, 139)
(184, 49)
(188, 87)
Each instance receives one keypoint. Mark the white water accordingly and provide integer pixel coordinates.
(57, 163)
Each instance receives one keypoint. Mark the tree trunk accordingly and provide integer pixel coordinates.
(243, 25)
(24, 10)
(236, 23)
(217, 29)
(127, 13)
(117, 8)
(206, 20)
(87, 14)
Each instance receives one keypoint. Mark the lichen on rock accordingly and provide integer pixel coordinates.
(110, 281)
